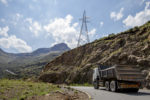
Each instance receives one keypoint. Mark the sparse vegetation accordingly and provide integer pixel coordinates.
(111, 35)
(115, 52)
(21, 90)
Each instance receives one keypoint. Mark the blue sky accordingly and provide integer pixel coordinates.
(26, 25)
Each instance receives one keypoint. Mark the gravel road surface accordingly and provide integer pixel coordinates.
(102, 94)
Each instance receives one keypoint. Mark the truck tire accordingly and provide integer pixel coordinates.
(107, 85)
(96, 84)
(113, 86)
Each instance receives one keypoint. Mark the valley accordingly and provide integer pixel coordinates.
(27, 65)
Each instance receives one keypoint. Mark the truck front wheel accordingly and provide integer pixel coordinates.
(107, 85)
(113, 86)
(96, 84)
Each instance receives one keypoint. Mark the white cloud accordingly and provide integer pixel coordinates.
(147, 5)
(16, 43)
(12, 41)
(63, 30)
(3, 31)
(92, 32)
(4, 2)
(35, 27)
(140, 17)
(117, 16)
(101, 24)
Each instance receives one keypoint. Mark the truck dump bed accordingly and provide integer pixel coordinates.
(121, 72)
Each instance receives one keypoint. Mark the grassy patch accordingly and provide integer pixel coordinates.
(115, 42)
(115, 52)
(20, 90)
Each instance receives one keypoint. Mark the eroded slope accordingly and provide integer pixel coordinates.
(75, 66)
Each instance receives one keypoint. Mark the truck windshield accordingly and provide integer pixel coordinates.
(103, 67)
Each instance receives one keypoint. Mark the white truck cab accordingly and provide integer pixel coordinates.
(95, 74)
(95, 78)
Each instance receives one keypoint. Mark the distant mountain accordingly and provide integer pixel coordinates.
(28, 64)
(1, 51)
(6, 57)
(57, 47)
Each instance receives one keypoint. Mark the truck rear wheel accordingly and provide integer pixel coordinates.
(113, 86)
(96, 84)
(107, 85)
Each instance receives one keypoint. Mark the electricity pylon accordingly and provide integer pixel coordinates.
(83, 37)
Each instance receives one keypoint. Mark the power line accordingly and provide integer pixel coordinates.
(82, 31)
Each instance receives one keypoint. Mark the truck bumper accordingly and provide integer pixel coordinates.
(128, 85)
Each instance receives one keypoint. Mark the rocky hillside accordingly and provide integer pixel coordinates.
(75, 66)
(28, 64)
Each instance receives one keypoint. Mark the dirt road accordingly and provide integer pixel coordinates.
(102, 94)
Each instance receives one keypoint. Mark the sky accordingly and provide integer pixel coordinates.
(26, 25)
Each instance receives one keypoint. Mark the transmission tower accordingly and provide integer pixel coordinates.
(83, 37)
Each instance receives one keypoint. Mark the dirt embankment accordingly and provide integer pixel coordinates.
(67, 95)
(28, 90)
(75, 66)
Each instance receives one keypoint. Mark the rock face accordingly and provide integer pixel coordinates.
(75, 66)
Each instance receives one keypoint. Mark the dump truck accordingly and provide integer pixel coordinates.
(118, 77)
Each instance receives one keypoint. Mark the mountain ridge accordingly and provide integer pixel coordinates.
(57, 47)
(24, 63)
